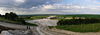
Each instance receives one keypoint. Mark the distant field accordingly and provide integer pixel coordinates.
(38, 17)
(32, 17)
(81, 15)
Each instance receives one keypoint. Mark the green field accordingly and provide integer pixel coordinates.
(81, 28)
(81, 15)
(38, 17)
(34, 17)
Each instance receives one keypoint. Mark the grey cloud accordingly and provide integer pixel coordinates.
(26, 4)
(32, 7)
(31, 3)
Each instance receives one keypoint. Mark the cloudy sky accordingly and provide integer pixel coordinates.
(24, 7)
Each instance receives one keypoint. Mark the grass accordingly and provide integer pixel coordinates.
(81, 15)
(64, 16)
(16, 22)
(38, 17)
(81, 28)
(30, 24)
(33, 17)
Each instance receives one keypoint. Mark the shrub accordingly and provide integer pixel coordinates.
(77, 21)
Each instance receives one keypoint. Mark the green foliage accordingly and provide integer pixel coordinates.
(11, 16)
(81, 28)
(78, 21)
(0, 15)
(80, 25)
(38, 17)
(80, 15)
(31, 24)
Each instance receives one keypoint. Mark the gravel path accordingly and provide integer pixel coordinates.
(43, 24)
(46, 22)
(15, 26)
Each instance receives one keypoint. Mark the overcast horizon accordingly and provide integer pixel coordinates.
(26, 7)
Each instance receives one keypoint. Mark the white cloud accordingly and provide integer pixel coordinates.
(20, 1)
(52, 9)
(48, 6)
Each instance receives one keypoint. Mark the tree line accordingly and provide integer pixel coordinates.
(78, 21)
(13, 17)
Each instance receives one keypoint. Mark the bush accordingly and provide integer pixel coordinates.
(77, 21)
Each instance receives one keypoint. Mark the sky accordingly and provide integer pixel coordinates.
(26, 7)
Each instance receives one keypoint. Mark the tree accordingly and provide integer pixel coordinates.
(7, 15)
(11, 16)
(0, 15)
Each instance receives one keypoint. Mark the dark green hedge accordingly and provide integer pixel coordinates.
(77, 21)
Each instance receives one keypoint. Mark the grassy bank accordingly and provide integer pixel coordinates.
(81, 28)
(16, 22)
(37, 17)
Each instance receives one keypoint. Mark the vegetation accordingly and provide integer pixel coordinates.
(40, 16)
(81, 28)
(37, 17)
(33, 17)
(13, 18)
(81, 15)
(78, 21)
(89, 24)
